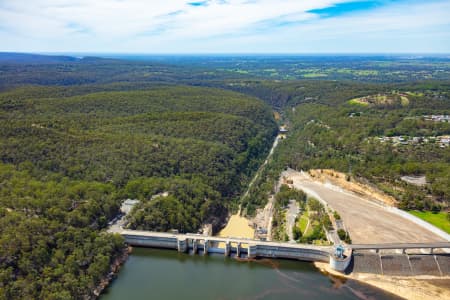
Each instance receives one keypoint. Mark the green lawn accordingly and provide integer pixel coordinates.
(404, 100)
(303, 222)
(439, 220)
(415, 94)
(357, 101)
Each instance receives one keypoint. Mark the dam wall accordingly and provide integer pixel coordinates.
(239, 247)
(286, 252)
(367, 258)
(151, 241)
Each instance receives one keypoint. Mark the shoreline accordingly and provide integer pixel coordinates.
(407, 287)
(115, 267)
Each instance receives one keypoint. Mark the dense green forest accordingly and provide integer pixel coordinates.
(188, 204)
(349, 138)
(184, 135)
(22, 69)
(50, 244)
(378, 143)
(70, 155)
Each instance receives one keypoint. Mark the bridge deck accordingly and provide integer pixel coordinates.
(438, 245)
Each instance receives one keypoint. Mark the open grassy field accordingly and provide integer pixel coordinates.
(358, 102)
(404, 100)
(303, 222)
(437, 219)
(391, 99)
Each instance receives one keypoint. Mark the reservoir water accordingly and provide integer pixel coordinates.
(165, 274)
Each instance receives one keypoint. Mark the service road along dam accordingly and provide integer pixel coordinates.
(366, 221)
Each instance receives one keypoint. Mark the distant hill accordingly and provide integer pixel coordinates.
(13, 57)
(392, 99)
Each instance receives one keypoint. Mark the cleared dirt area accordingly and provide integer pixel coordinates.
(340, 179)
(416, 180)
(366, 221)
(237, 227)
(263, 219)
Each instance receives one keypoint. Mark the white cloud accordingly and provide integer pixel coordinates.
(112, 18)
(220, 26)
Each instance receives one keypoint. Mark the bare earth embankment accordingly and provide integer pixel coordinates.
(414, 288)
(237, 227)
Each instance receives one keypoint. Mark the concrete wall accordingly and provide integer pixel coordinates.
(289, 253)
(339, 264)
(216, 250)
(153, 242)
(252, 250)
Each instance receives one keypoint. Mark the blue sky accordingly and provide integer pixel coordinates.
(225, 26)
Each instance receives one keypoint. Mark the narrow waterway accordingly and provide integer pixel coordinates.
(165, 274)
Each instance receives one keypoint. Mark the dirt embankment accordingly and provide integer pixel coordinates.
(239, 227)
(342, 180)
(417, 288)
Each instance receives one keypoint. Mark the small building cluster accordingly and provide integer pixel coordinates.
(437, 118)
(317, 123)
(443, 141)
(283, 129)
(355, 114)
(128, 205)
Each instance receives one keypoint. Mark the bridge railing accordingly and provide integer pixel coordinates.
(401, 246)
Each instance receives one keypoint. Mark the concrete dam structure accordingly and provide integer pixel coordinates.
(249, 248)
(246, 248)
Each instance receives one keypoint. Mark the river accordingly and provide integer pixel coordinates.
(165, 274)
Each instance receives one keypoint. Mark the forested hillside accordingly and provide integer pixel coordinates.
(70, 156)
(377, 142)
(380, 143)
(78, 136)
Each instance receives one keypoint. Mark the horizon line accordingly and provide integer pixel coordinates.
(70, 53)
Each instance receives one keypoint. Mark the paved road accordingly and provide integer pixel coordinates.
(366, 222)
(334, 237)
(437, 245)
(291, 214)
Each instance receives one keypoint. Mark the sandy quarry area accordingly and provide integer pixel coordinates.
(340, 180)
(366, 220)
(237, 227)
